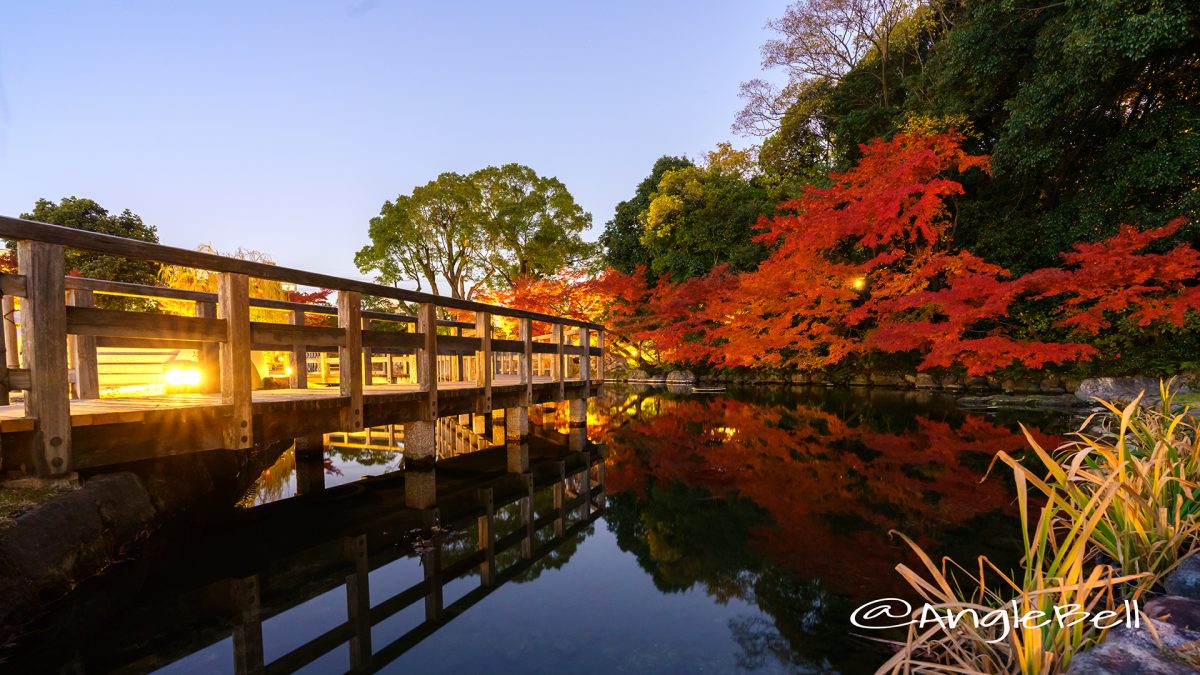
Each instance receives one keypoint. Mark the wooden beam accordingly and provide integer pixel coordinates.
(82, 350)
(358, 604)
(291, 335)
(427, 359)
(233, 307)
(247, 629)
(44, 323)
(13, 284)
(299, 376)
(12, 356)
(119, 323)
(350, 374)
(483, 360)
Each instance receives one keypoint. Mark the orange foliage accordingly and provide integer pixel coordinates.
(867, 265)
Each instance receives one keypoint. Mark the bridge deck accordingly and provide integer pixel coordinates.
(128, 409)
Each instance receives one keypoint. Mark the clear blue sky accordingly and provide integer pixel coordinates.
(283, 126)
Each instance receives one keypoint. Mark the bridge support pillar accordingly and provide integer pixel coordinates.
(516, 423)
(310, 464)
(518, 456)
(420, 444)
(480, 426)
(578, 412)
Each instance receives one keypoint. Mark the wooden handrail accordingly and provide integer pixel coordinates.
(18, 229)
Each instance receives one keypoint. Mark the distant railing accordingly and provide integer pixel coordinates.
(61, 338)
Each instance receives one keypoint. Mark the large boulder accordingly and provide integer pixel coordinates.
(681, 377)
(1123, 389)
(1185, 578)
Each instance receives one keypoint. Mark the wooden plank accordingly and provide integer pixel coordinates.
(82, 349)
(427, 359)
(380, 340)
(6, 345)
(18, 229)
(118, 323)
(350, 374)
(299, 377)
(233, 306)
(44, 323)
(483, 360)
(525, 370)
(137, 290)
(209, 353)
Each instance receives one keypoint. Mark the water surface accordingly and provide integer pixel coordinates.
(733, 533)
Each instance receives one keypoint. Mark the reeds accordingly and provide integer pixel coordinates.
(1121, 509)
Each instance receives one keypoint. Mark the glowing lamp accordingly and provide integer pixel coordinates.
(182, 377)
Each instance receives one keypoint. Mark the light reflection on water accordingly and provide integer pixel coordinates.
(738, 533)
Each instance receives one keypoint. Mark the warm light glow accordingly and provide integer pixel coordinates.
(288, 371)
(182, 377)
(727, 432)
(859, 283)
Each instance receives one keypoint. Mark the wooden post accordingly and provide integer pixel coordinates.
(483, 360)
(585, 360)
(82, 350)
(367, 357)
(600, 359)
(5, 347)
(209, 353)
(358, 604)
(431, 560)
(350, 378)
(247, 632)
(487, 537)
(587, 484)
(462, 374)
(426, 359)
(299, 377)
(527, 518)
(44, 324)
(525, 334)
(560, 499)
(324, 368)
(12, 357)
(556, 369)
(233, 305)
(601, 501)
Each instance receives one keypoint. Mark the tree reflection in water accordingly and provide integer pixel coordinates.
(786, 501)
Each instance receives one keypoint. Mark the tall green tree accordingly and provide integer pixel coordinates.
(621, 240)
(86, 214)
(468, 232)
(1090, 110)
(433, 237)
(703, 216)
(532, 223)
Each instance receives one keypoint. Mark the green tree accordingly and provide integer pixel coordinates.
(703, 216)
(473, 231)
(532, 223)
(86, 214)
(1090, 110)
(432, 237)
(621, 240)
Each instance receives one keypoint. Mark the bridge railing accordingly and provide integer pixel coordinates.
(62, 327)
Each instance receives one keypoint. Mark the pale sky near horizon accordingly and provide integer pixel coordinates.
(283, 126)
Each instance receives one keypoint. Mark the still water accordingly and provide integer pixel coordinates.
(684, 534)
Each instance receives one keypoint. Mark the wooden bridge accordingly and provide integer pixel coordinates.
(63, 424)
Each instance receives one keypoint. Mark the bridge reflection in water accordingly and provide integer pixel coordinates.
(482, 520)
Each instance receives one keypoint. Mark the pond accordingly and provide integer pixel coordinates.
(685, 533)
